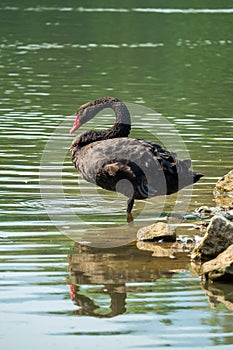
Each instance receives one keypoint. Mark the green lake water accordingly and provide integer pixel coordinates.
(171, 62)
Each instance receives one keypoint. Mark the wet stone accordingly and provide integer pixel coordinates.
(220, 267)
(225, 210)
(158, 232)
(204, 209)
(225, 184)
(218, 237)
(223, 191)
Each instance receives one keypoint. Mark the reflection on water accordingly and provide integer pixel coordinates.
(113, 270)
(175, 60)
(120, 281)
(219, 293)
(118, 271)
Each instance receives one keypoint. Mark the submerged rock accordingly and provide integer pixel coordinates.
(160, 231)
(186, 243)
(218, 237)
(205, 212)
(220, 267)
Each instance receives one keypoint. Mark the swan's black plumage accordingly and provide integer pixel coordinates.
(137, 168)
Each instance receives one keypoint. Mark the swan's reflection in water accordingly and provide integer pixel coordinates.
(116, 271)
(87, 307)
(97, 275)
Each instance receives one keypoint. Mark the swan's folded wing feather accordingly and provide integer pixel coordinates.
(117, 176)
(109, 174)
(126, 178)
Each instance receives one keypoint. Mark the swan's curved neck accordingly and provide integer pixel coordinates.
(121, 128)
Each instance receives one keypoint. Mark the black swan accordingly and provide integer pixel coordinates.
(137, 168)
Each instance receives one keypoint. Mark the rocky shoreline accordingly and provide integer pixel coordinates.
(211, 255)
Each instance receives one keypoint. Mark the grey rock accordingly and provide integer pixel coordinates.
(218, 237)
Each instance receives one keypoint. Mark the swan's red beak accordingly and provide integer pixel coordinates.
(76, 125)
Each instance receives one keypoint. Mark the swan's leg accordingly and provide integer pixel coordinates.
(130, 204)
(129, 217)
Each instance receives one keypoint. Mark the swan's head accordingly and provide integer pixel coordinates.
(87, 111)
(84, 113)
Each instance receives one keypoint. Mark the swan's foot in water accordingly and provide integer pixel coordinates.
(130, 204)
(129, 218)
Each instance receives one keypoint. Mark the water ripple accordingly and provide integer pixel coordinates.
(123, 10)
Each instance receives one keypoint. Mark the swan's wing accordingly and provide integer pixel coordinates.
(116, 176)
(127, 178)
(116, 169)
(154, 147)
(169, 162)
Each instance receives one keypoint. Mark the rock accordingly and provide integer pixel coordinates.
(203, 226)
(160, 231)
(185, 243)
(223, 200)
(220, 267)
(225, 184)
(225, 209)
(204, 209)
(218, 237)
(223, 191)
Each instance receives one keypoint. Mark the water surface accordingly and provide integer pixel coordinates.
(173, 58)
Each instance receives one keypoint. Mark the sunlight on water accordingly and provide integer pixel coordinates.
(124, 10)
